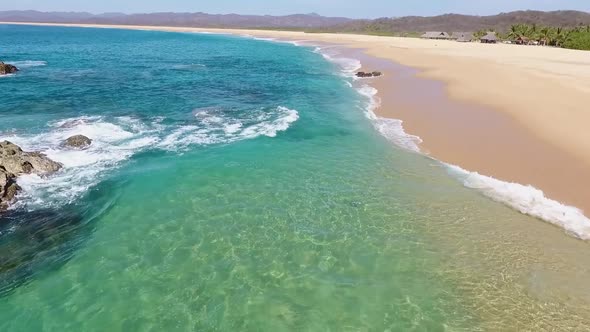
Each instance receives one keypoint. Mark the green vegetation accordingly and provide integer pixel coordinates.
(526, 34)
(576, 38)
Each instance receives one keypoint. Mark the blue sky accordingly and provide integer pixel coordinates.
(349, 8)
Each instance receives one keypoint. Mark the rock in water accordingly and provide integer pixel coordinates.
(14, 160)
(373, 74)
(8, 188)
(7, 69)
(78, 142)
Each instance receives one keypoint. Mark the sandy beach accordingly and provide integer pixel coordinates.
(516, 113)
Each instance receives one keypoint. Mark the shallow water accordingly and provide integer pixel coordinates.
(236, 184)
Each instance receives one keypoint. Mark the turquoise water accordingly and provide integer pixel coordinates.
(237, 185)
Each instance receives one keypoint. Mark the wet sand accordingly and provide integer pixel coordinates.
(476, 137)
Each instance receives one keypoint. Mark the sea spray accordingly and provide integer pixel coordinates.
(117, 139)
(27, 63)
(527, 200)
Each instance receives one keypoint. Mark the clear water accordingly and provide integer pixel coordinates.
(236, 185)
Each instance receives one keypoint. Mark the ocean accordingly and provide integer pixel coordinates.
(236, 184)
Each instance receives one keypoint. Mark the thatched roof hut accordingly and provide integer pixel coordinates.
(522, 40)
(462, 37)
(490, 38)
(436, 35)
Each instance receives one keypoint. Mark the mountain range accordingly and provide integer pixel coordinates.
(311, 22)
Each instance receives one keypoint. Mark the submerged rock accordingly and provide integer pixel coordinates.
(16, 161)
(8, 188)
(7, 69)
(78, 142)
(34, 241)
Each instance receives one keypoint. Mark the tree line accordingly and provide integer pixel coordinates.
(573, 38)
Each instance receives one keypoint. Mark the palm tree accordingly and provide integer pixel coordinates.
(532, 32)
(558, 37)
(478, 34)
(514, 32)
(562, 36)
(519, 32)
(545, 35)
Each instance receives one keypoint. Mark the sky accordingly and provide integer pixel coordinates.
(347, 8)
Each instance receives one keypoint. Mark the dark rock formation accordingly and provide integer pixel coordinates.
(8, 188)
(373, 74)
(78, 142)
(7, 69)
(16, 161)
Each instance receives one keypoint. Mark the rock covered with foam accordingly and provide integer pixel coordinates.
(6, 69)
(14, 162)
(77, 142)
(8, 188)
(18, 162)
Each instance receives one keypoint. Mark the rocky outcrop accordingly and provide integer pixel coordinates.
(7, 69)
(18, 162)
(14, 162)
(8, 188)
(373, 74)
(78, 142)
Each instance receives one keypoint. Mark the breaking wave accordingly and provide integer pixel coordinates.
(117, 139)
(349, 66)
(27, 63)
(527, 200)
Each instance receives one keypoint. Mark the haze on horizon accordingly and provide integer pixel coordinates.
(348, 8)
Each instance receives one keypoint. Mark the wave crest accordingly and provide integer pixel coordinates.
(527, 200)
(119, 138)
(27, 63)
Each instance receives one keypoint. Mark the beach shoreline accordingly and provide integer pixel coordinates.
(493, 109)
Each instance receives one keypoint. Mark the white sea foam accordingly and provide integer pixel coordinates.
(191, 66)
(112, 143)
(215, 126)
(349, 66)
(525, 199)
(27, 63)
(275, 40)
(115, 140)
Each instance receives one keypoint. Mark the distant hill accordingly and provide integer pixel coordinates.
(300, 21)
(456, 22)
(313, 22)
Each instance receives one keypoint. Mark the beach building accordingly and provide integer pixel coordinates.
(522, 40)
(436, 35)
(490, 38)
(463, 37)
